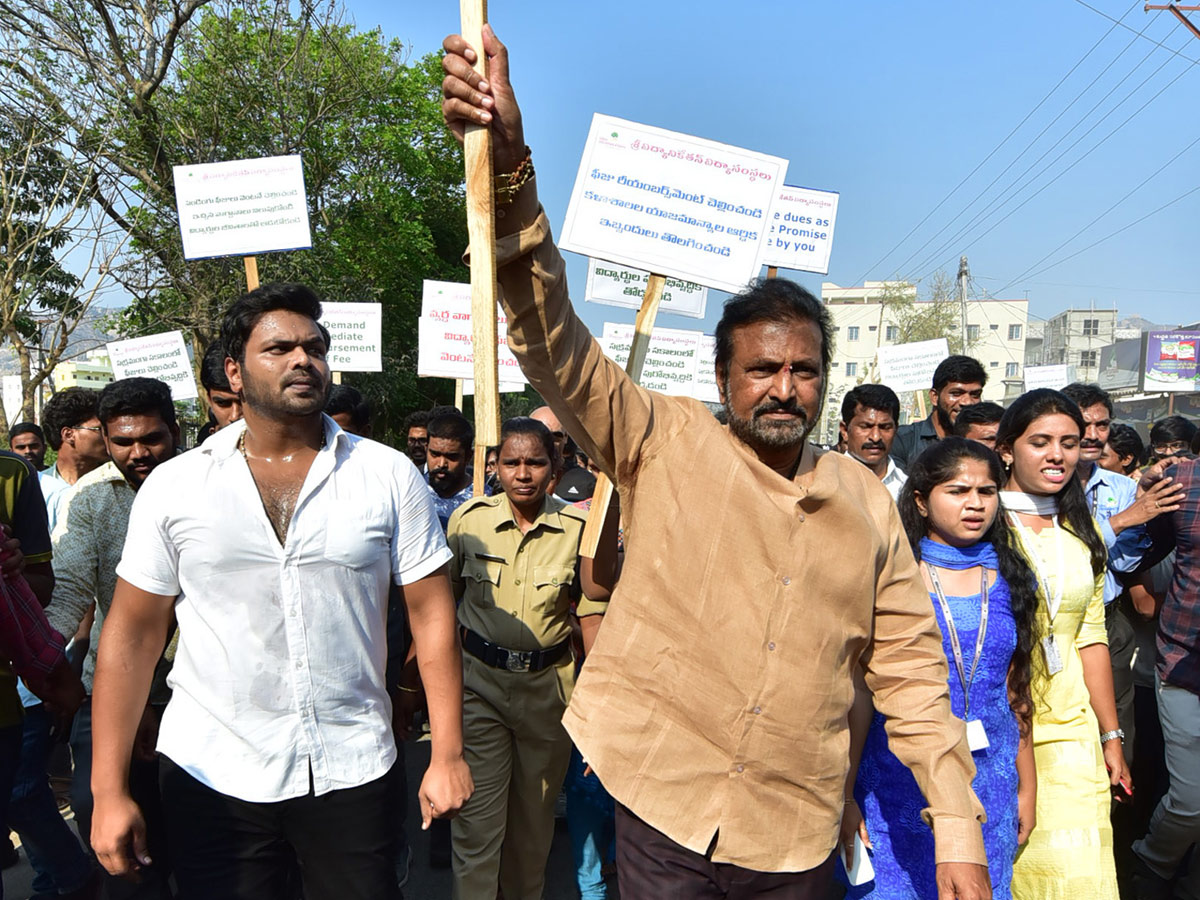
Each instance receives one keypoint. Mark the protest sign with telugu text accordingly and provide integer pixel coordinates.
(1053, 377)
(910, 367)
(445, 346)
(615, 285)
(242, 207)
(162, 356)
(674, 361)
(672, 204)
(800, 234)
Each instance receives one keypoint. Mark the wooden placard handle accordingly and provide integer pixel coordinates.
(642, 328)
(481, 229)
(251, 272)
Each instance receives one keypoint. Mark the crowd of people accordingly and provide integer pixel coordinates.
(968, 646)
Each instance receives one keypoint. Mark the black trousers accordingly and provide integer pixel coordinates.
(342, 843)
(651, 866)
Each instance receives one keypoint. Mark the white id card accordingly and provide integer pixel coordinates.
(862, 871)
(1054, 663)
(977, 738)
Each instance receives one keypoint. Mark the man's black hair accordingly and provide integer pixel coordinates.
(241, 318)
(1086, 395)
(984, 413)
(1172, 429)
(1125, 441)
(26, 428)
(345, 399)
(452, 426)
(871, 396)
(68, 409)
(136, 397)
(960, 369)
(444, 411)
(418, 419)
(212, 368)
(771, 300)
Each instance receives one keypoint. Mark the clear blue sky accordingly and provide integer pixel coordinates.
(891, 104)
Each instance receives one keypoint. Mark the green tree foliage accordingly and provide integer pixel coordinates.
(203, 82)
(936, 316)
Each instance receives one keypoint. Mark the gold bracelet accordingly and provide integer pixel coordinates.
(506, 187)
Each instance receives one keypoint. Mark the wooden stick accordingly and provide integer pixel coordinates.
(251, 272)
(481, 229)
(458, 394)
(772, 271)
(601, 496)
(337, 377)
(921, 404)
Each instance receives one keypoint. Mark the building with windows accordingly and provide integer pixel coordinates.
(1075, 337)
(90, 371)
(996, 336)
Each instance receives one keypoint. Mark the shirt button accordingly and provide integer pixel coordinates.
(517, 581)
(741, 768)
(800, 517)
(786, 580)
(299, 664)
(758, 710)
(771, 646)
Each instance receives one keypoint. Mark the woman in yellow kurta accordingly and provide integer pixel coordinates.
(1076, 741)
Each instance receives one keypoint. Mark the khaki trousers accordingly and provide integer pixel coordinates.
(518, 753)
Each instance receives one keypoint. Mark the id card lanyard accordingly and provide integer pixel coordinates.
(1054, 661)
(955, 645)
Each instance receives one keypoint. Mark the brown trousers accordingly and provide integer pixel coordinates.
(651, 866)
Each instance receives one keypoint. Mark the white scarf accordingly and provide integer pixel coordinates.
(1029, 504)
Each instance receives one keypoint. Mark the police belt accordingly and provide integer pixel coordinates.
(511, 660)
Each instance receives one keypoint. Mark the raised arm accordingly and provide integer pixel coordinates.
(598, 404)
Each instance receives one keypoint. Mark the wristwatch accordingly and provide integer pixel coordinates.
(1112, 736)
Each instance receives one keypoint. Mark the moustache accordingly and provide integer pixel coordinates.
(438, 473)
(871, 445)
(1090, 444)
(791, 407)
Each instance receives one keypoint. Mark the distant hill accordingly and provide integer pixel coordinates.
(88, 336)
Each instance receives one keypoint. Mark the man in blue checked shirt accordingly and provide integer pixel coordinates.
(1121, 512)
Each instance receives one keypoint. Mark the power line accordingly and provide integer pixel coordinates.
(1025, 150)
(1080, 159)
(1099, 287)
(1141, 185)
(1105, 15)
(996, 149)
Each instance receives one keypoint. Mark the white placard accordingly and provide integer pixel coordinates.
(505, 387)
(614, 285)
(673, 360)
(242, 207)
(445, 347)
(162, 356)
(910, 367)
(1053, 377)
(673, 204)
(13, 398)
(355, 336)
(706, 373)
(800, 235)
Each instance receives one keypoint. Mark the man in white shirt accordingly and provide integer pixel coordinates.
(273, 546)
(73, 431)
(869, 416)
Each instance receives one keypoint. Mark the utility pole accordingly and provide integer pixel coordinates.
(1178, 12)
(964, 274)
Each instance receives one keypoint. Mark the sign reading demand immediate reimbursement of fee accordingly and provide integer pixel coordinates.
(355, 335)
(162, 356)
(614, 285)
(800, 234)
(910, 367)
(672, 204)
(242, 207)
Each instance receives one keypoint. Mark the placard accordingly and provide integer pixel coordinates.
(1171, 361)
(910, 367)
(355, 336)
(162, 356)
(445, 347)
(242, 207)
(1121, 365)
(800, 235)
(671, 203)
(614, 285)
(1054, 377)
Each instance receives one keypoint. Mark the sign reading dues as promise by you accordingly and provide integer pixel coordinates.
(242, 207)
(672, 204)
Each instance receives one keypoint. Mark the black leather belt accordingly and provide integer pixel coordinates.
(511, 660)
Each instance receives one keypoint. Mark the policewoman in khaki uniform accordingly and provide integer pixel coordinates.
(516, 572)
